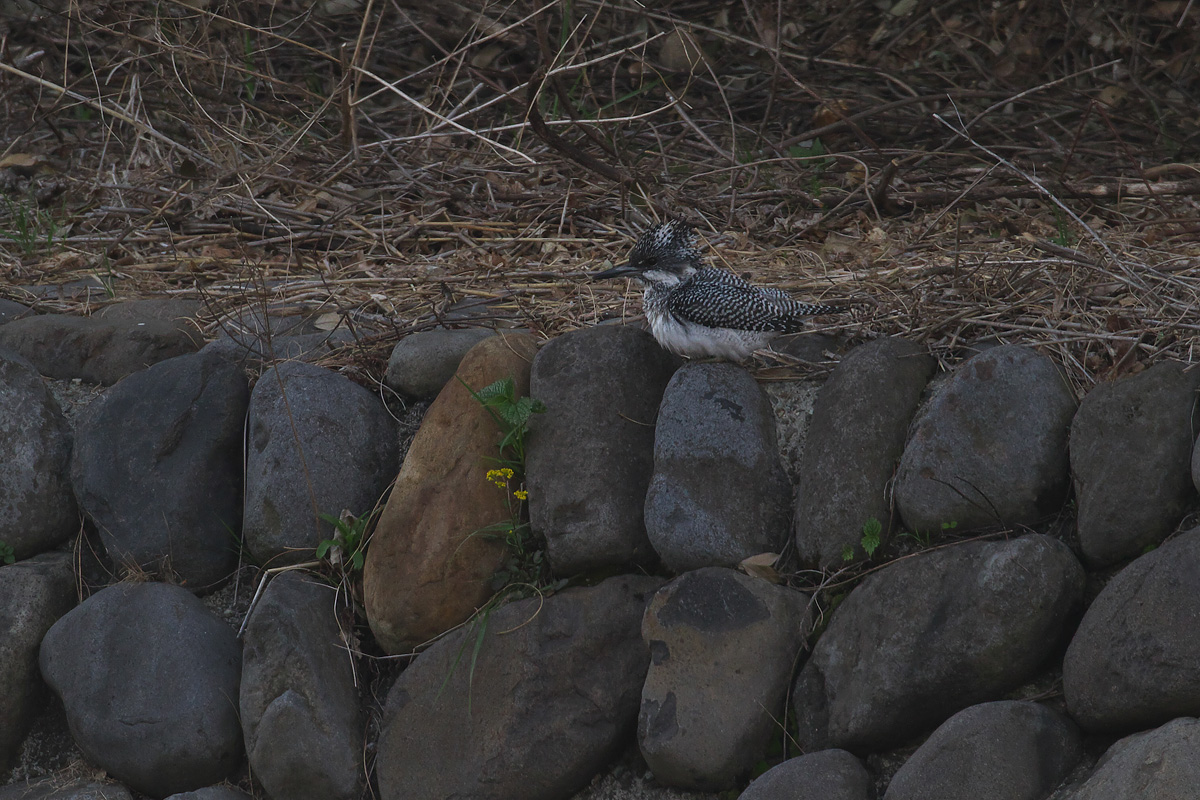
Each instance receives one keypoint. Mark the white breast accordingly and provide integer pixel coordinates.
(695, 341)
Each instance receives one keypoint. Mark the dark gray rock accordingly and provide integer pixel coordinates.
(214, 793)
(1134, 662)
(10, 311)
(56, 788)
(590, 456)
(98, 351)
(1131, 445)
(422, 362)
(37, 508)
(722, 648)
(990, 448)
(158, 467)
(530, 711)
(718, 493)
(927, 636)
(319, 444)
(33, 595)
(300, 709)
(256, 351)
(859, 426)
(1007, 750)
(811, 347)
(149, 679)
(179, 311)
(823, 775)
(1162, 764)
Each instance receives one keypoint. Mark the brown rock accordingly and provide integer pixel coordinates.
(425, 572)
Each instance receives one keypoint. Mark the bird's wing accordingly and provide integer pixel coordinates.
(727, 301)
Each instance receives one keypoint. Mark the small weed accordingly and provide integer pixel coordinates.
(872, 531)
(347, 549)
(7, 554)
(31, 228)
(949, 526)
(920, 537)
(1063, 239)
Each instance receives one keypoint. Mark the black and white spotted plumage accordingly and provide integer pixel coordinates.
(700, 311)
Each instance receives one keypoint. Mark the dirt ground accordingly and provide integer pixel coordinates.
(957, 170)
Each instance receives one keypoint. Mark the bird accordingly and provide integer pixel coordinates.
(699, 311)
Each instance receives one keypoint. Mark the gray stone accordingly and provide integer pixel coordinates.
(254, 352)
(1134, 662)
(823, 775)
(299, 705)
(990, 448)
(37, 508)
(422, 362)
(1007, 750)
(10, 311)
(213, 793)
(590, 456)
(859, 426)
(56, 788)
(149, 679)
(530, 710)
(718, 494)
(158, 467)
(179, 311)
(33, 595)
(1162, 764)
(319, 444)
(722, 648)
(1131, 445)
(98, 351)
(930, 635)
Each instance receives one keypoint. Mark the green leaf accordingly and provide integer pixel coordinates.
(324, 547)
(871, 536)
(501, 389)
(848, 553)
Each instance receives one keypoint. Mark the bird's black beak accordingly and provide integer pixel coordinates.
(616, 272)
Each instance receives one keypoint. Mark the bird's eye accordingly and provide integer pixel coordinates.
(652, 261)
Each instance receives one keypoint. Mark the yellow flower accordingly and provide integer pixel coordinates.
(521, 494)
(500, 477)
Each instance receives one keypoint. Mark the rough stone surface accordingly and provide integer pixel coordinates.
(718, 494)
(1134, 662)
(213, 793)
(927, 636)
(33, 595)
(590, 456)
(58, 789)
(158, 468)
(10, 310)
(422, 362)
(37, 507)
(149, 678)
(722, 647)
(299, 706)
(551, 699)
(1007, 750)
(857, 434)
(1131, 445)
(823, 775)
(990, 448)
(425, 571)
(255, 351)
(319, 444)
(1162, 764)
(179, 311)
(62, 346)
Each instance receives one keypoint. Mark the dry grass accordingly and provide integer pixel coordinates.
(963, 170)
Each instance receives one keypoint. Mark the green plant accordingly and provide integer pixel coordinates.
(347, 549)
(7, 555)
(872, 531)
(31, 227)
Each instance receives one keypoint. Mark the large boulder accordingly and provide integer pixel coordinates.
(149, 679)
(719, 493)
(1162, 764)
(1131, 449)
(1134, 662)
(529, 707)
(591, 454)
(96, 350)
(823, 775)
(421, 363)
(299, 705)
(319, 444)
(1006, 750)
(33, 595)
(37, 507)
(158, 468)
(431, 563)
(722, 649)
(856, 436)
(927, 636)
(990, 448)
